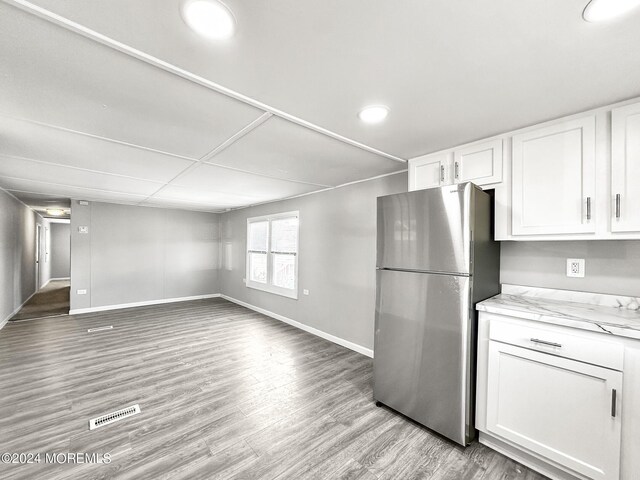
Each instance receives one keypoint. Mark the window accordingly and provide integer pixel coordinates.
(272, 253)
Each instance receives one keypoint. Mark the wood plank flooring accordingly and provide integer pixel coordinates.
(225, 393)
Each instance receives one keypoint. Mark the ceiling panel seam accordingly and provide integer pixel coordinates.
(185, 74)
(318, 191)
(99, 172)
(224, 145)
(98, 137)
(118, 202)
(67, 185)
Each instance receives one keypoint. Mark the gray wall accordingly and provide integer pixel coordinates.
(138, 254)
(337, 258)
(17, 254)
(60, 250)
(611, 266)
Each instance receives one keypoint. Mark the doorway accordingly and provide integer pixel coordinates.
(52, 278)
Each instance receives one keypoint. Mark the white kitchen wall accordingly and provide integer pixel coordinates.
(611, 266)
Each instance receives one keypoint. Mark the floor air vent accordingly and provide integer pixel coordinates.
(99, 329)
(113, 416)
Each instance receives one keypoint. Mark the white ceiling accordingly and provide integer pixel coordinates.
(153, 114)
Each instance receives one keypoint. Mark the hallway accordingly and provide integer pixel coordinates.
(50, 301)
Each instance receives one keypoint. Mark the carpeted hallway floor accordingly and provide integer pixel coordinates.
(50, 301)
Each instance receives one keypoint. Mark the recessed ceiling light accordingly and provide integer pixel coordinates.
(602, 10)
(209, 18)
(55, 212)
(373, 113)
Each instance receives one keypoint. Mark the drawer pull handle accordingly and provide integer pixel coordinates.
(544, 342)
(614, 394)
(617, 205)
(442, 173)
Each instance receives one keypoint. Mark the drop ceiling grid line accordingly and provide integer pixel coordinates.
(90, 170)
(142, 147)
(91, 189)
(185, 74)
(98, 137)
(117, 202)
(223, 146)
(318, 191)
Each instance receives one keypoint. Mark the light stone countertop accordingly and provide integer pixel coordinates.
(609, 314)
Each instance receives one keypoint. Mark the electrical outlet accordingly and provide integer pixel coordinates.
(575, 267)
(305, 292)
(81, 292)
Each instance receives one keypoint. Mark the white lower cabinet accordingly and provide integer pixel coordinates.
(564, 410)
(560, 400)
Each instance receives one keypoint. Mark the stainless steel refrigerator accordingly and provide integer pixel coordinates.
(436, 259)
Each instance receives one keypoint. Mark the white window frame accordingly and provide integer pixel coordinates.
(269, 287)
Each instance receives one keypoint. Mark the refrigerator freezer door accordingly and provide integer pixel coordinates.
(421, 365)
(426, 230)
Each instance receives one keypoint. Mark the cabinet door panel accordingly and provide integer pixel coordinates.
(558, 408)
(554, 179)
(429, 171)
(479, 163)
(625, 168)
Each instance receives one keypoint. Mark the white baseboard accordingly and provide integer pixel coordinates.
(6, 319)
(104, 308)
(528, 460)
(327, 336)
(52, 279)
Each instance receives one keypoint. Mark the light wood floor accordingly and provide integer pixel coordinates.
(225, 393)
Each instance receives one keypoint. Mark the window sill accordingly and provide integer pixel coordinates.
(283, 292)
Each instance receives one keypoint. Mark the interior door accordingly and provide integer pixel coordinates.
(421, 362)
(553, 188)
(565, 410)
(625, 168)
(39, 255)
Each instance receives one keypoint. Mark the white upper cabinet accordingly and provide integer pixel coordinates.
(625, 169)
(480, 163)
(429, 171)
(553, 179)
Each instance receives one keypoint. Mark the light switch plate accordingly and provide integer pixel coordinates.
(575, 267)
(305, 292)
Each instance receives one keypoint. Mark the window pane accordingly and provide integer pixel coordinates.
(284, 270)
(258, 267)
(258, 236)
(284, 235)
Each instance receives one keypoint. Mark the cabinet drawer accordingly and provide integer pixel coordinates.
(559, 341)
